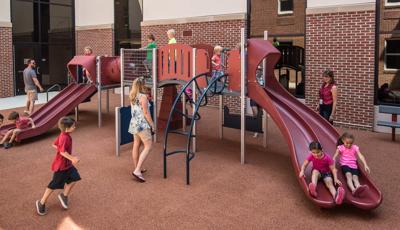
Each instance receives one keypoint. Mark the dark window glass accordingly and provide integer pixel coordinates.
(392, 54)
(286, 5)
(393, 1)
(25, 28)
(128, 16)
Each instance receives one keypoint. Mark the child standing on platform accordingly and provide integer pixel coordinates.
(216, 62)
(65, 174)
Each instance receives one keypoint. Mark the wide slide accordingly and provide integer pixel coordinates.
(300, 125)
(47, 116)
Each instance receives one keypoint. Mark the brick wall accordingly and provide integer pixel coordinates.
(264, 16)
(343, 42)
(6, 63)
(224, 33)
(101, 41)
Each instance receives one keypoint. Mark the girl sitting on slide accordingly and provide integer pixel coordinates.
(323, 169)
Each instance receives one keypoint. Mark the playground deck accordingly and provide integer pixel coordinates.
(224, 194)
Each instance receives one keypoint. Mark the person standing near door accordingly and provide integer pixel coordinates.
(31, 84)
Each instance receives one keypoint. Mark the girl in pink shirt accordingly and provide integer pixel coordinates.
(348, 161)
(323, 169)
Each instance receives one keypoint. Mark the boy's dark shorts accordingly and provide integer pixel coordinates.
(346, 169)
(60, 178)
(325, 175)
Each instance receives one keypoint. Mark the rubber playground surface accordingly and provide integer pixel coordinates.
(262, 194)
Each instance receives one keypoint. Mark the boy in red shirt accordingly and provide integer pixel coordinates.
(20, 124)
(65, 174)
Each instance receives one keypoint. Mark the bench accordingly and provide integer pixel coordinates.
(394, 110)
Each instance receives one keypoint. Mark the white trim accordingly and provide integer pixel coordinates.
(222, 17)
(391, 3)
(384, 57)
(342, 8)
(5, 24)
(284, 12)
(95, 27)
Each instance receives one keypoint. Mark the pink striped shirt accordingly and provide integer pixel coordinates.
(348, 156)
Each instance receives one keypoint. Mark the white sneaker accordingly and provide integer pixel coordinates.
(255, 135)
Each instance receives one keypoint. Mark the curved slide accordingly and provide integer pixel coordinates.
(47, 116)
(299, 126)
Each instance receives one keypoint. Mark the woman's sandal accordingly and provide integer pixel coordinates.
(139, 178)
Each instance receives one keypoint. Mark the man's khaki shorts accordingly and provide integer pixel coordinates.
(32, 95)
(143, 135)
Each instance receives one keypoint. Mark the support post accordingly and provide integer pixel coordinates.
(265, 115)
(117, 131)
(155, 87)
(194, 97)
(98, 76)
(221, 117)
(184, 112)
(122, 60)
(108, 100)
(242, 95)
(77, 113)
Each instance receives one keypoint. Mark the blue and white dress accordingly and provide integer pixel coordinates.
(138, 121)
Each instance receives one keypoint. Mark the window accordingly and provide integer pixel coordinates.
(392, 55)
(285, 6)
(392, 2)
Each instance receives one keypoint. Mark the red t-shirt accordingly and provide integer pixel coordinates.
(22, 123)
(217, 59)
(64, 144)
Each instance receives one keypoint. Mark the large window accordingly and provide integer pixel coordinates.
(128, 16)
(392, 2)
(43, 30)
(285, 7)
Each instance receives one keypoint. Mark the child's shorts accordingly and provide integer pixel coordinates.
(325, 175)
(60, 178)
(346, 169)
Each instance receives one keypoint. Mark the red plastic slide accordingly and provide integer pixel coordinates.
(48, 115)
(300, 125)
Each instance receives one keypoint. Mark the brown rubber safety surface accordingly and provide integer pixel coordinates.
(262, 194)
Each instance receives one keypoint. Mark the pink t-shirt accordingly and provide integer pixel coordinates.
(217, 59)
(322, 164)
(348, 157)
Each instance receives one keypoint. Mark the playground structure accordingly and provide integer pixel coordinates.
(298, 123)
(190, 67)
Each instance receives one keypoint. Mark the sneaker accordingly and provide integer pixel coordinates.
(7, 145)
(63, 200)
(360, 190)
(339, 196)
(312, 188)
(255, 135)
(40, 208)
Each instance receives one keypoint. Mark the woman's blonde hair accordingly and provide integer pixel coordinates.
(137, 87)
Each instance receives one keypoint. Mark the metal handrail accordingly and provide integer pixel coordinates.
(49, 89)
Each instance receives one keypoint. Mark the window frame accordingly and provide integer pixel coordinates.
(391, 3)
(385, 56)
(287, 12)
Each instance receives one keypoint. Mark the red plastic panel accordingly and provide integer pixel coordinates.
(87, 62)
(110, 70)
(233, 70)
(174, 62)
